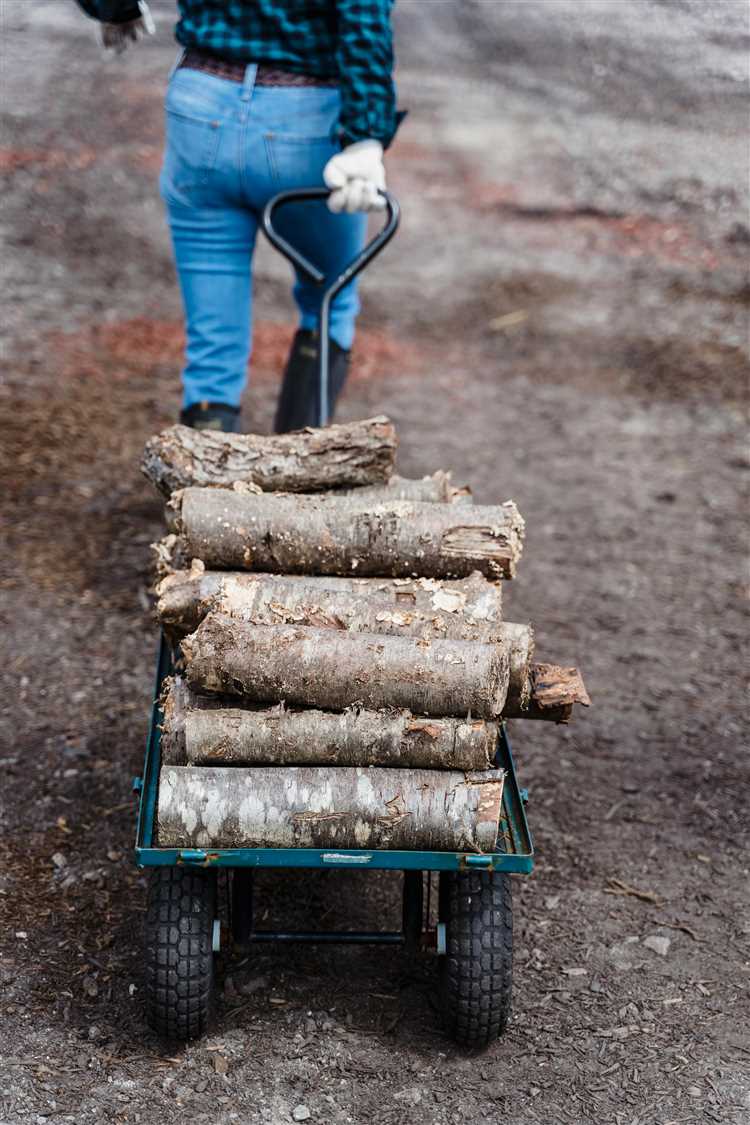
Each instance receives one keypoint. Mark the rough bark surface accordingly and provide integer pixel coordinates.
(203, 731)
(337, 456)
(271, 600)
(186, 596)
(328, 807)
(552, 693)
(328, 535)
(334, 669)
(436, 489)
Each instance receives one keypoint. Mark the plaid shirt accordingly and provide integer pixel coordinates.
(346, 39)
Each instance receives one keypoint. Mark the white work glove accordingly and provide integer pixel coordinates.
(356, 174)
(117, 36)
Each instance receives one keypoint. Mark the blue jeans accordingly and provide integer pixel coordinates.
(230, 148)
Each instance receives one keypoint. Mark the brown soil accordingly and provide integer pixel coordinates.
(563, 319)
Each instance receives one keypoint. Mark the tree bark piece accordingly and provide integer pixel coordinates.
(328, 807)
(333, 669)
(203, 731)
(328, 535)
(553, 691)
(337, 456)
(186, 596)
(435, 489)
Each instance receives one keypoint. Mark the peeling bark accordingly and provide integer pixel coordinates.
(328, 807)
(337, 456)
(333, 669)
(553, 691)
(186, 596)
(203, 731)
(328, 535)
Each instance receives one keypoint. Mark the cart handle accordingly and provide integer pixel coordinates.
(313, 274)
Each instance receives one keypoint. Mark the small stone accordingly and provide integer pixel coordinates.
(90, 987)
(114, 856)
(657, 944)
(694, 1091)
(551, 902)
(94, 1032)
(221, 1064)
(59, 860)
(300, 1113)
(21, 934)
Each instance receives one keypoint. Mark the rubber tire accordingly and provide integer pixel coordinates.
(179, 951)
(476, 973)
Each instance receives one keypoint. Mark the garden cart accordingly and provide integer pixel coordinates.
(472, 931)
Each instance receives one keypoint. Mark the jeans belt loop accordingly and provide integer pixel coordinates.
(248, 82)
(176, 65)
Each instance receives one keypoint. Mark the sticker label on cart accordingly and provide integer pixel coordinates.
(342, 857)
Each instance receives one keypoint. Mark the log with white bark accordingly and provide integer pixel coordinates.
(277, 600)
(332, 669)
(327, 535)
(337, 456)
(436, 489)
(205, 731)
(552, 693)
(328, 807)
(186, 596)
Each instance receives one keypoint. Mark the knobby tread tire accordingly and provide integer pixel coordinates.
(477, 969)
(179, 954)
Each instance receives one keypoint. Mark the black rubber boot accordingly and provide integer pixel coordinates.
(298, 399)
(212, 416)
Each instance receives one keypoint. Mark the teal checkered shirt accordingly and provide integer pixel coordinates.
(350, 40)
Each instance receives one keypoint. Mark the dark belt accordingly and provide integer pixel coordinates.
(234, 71)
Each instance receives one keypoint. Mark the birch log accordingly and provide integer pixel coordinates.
(186, 596)
(332, 669)
(328, 807)
(329, 535)
(202, 730)
(338, 456)
(206, 731)
(271, 600)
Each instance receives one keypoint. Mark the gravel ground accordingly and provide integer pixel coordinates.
(563, 319)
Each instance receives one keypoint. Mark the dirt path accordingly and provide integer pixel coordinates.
(564, 321)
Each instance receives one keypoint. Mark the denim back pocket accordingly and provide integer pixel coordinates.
(298, 161)
(193, 133)
(299, 123)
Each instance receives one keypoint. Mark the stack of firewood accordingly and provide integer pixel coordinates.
(342, 662)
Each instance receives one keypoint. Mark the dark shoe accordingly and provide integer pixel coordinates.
(298, 400)
(212, 416)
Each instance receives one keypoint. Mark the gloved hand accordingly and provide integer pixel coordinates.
(355, 174)
(117, 36)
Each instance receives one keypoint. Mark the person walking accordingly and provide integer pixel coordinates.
(266, 96)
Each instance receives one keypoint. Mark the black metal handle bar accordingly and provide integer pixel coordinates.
(312, 273)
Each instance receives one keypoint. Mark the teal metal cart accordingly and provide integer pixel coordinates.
(473, 934)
